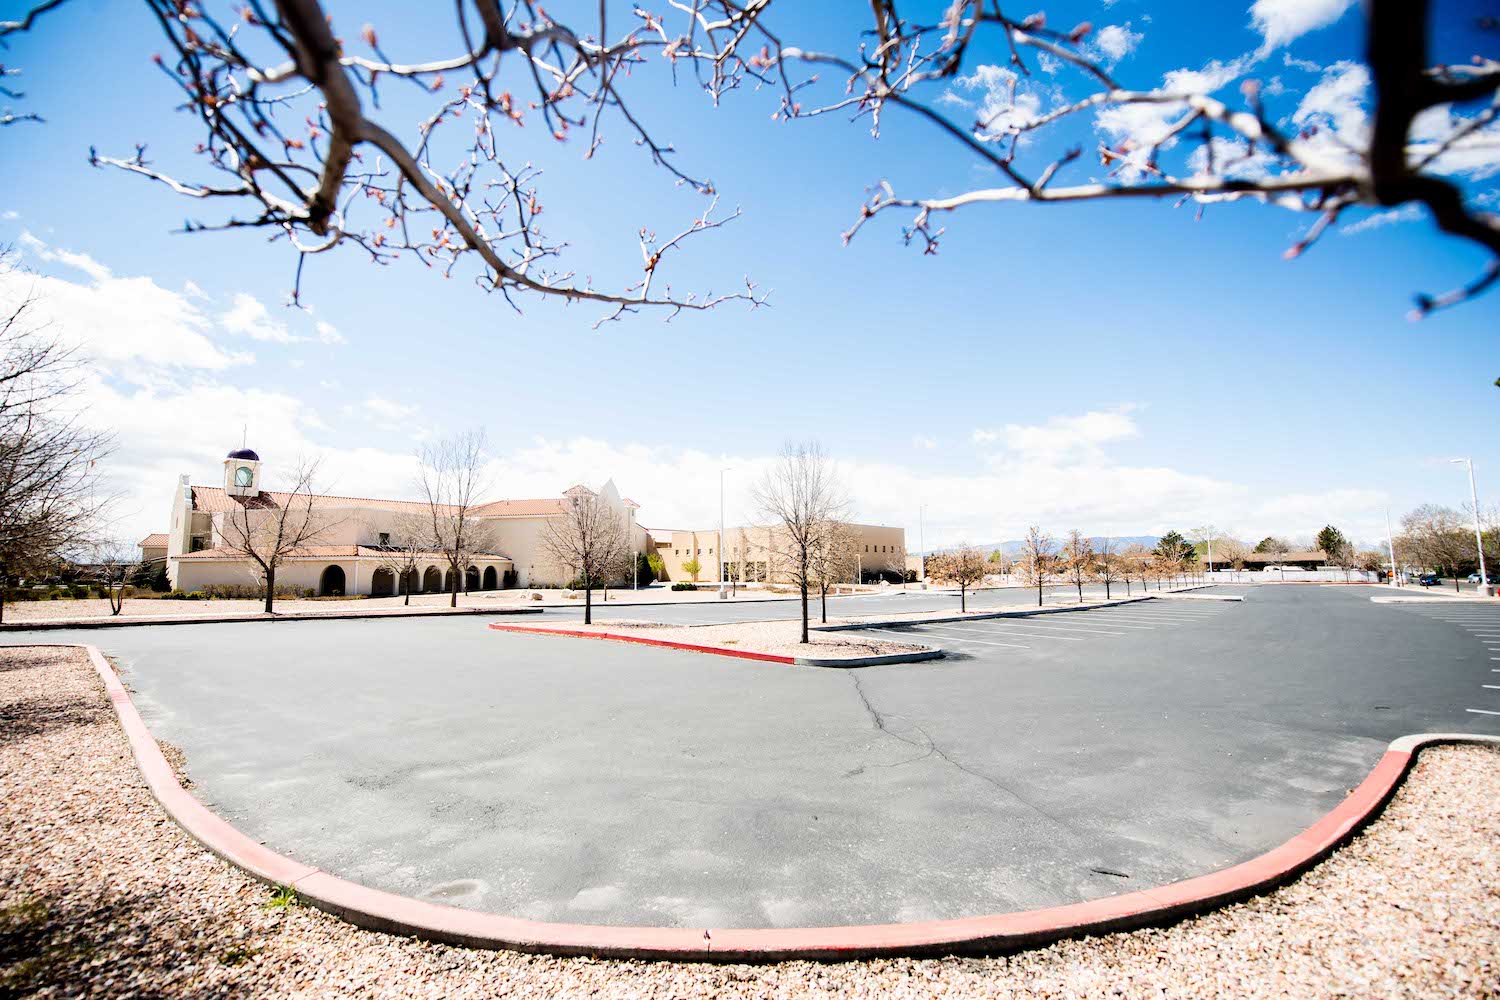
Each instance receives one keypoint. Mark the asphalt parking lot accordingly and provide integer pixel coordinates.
(600, 783)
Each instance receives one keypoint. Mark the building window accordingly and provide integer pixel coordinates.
(385, 538)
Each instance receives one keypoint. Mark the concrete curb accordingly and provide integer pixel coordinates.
(926, 653)
(1026, 613)
(294, 616)
(1435, 600)
(384, 911)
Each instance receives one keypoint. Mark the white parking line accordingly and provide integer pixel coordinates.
(1481, 711)
(987, 631)
(981, 642)
(1492, 687)
(1028, 623)
(1141, 619)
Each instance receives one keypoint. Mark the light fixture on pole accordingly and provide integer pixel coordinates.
(1484, 580)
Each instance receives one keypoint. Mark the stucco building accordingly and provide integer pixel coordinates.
(759, 554)
(351, 551)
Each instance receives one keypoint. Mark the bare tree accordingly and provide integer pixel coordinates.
(1136, 562)
(450, 480)
(268, 531)
(965, 566)
(116, 561)
(1107, 563)
(1437, 537)
(1037, 561)
(51, 497)
(402, 556)
(293, 140)
(800, 495)
(316, 185)
(1232, 552)
(588, 539)
(833, 560)
(1077, 563)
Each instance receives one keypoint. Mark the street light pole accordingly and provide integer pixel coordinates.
(922, 539)
(721, 530)
(1390, 543)
(1484, 580)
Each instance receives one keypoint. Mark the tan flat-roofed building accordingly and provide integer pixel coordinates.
(757, 554)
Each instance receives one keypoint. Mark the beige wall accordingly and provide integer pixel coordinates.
(750, 548)
(359, 574)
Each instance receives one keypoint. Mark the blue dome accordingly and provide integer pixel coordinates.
(244, 453)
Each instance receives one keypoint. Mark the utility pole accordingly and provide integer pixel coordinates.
(1484, 580)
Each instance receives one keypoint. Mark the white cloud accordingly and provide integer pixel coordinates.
(78, 261)
(925, 443)
(1006, 100)
(388, 414)
(1287, 59)
(1063, 438)
(329, 334)
(1333, 116)
(247, 316)
(1133, 129)
(10, 215)
(1112, 43)
(122, 323)
(1406, 213)
(192, 291)
(1282, 21)
(1476, 155)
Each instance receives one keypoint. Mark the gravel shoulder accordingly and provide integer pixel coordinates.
(101, 894)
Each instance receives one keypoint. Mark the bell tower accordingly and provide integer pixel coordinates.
(242, 473)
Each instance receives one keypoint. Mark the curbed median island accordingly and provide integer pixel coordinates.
(773, 641)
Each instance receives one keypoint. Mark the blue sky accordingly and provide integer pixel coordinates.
(1121, 368)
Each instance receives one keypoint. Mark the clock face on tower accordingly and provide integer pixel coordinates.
(243, 476)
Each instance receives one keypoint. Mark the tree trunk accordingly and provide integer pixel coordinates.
(453, 594)
(270, 589)
(803, 588)
(1106, 588)
(406, 586)
(588, 604)
(825, 604)
(1080, 590)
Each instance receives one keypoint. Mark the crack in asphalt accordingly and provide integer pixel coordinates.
(932, 749)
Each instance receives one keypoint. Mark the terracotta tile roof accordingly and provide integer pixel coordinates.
(545, 507)
(213, 500)
(335, 552)
(156, 541)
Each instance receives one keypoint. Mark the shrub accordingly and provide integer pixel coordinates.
(684, 585)
(184, 595)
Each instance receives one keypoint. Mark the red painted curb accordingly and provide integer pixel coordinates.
(743, 654)
(378, 910)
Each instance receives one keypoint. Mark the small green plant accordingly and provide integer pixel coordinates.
(684, 585)
(237, 954)
(283, 897)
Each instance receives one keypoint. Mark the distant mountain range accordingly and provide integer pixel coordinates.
(1014, 547)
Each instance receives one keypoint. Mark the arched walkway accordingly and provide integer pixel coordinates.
(448, 582)
(331, 584)
(491, 580)
(471, 579)
(411, 582)
(432, 581)
(383, 583)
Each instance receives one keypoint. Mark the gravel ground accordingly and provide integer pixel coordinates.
(101, 895)
(777, 637)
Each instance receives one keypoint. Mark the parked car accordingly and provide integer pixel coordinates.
(1429, 579)
(1491, 578)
